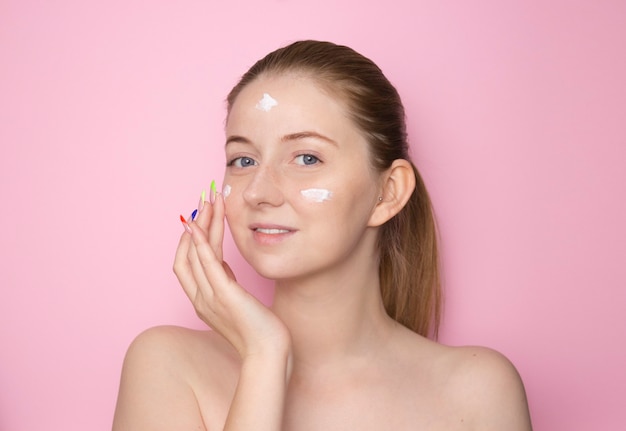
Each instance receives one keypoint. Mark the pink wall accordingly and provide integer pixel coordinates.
(111, 124)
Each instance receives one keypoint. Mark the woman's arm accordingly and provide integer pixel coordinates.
(260, 395)
(160, 368)
(261, 339)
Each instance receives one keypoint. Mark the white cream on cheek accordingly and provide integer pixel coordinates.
(226, 191)
(316, 195)
(266, 103)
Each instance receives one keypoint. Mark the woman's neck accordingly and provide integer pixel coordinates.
(334, 316)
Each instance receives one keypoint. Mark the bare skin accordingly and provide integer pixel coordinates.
(326, 355)
(424, 386)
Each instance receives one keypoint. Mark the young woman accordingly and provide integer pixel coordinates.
(321, 197)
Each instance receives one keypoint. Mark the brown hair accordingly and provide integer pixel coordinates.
(409, 263)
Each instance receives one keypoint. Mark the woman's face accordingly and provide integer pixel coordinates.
(299, 186)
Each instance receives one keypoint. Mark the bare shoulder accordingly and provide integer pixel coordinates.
(487, 386)
(190, 355)
(171, 376)
(461, 388)
(180, 344)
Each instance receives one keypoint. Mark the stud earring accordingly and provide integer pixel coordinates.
(380, 198)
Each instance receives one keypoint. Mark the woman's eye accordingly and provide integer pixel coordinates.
(306, 159)
(242, 162)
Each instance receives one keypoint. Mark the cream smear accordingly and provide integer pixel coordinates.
(316, 195)
(226, 191)
(266, 103)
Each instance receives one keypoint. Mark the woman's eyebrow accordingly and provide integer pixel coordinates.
(236, 138)
(305, 135)
(289, 137)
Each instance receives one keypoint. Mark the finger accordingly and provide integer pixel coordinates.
(205, 213)
(203, 299)
(195, 265)
(212, 268)
(216, 228)
(182, 267)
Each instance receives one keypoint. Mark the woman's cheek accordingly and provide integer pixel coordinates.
(226, 190)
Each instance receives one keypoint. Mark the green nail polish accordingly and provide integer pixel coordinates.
(213, 192)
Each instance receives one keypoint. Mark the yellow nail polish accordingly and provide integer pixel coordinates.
(202, 199)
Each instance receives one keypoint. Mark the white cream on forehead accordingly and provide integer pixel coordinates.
(266, 103)
(226, 191)
(316, 195)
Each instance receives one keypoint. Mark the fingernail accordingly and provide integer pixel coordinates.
(193, 215)
(202, 199)
(185, 224)
(213, 192)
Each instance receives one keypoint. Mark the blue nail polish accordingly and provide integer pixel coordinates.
(194, 214)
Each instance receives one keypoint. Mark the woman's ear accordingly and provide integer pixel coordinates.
(397, 187)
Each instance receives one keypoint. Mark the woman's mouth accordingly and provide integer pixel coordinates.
(271, 231)
(271, 234)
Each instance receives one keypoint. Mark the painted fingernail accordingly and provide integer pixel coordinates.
(193, 215)
(185, 224)
(202, 199)
(213, 192)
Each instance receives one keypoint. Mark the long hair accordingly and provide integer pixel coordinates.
(409, 263)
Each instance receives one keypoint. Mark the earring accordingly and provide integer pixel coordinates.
(380, 198)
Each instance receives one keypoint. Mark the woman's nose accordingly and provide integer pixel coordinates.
(264, 188)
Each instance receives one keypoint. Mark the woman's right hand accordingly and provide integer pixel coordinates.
(218, 299)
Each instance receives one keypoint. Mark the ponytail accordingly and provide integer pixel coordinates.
(409, 265)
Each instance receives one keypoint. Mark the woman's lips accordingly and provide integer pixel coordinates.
(271, 234)
(271, 231)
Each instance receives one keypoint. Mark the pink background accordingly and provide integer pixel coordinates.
(111, 119)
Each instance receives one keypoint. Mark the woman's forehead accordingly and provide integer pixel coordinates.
(291, 101)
